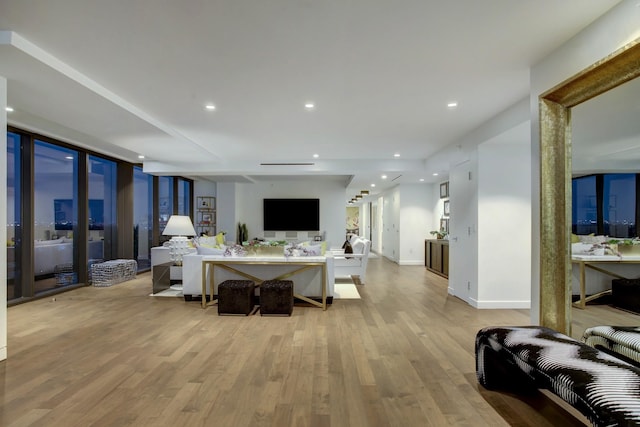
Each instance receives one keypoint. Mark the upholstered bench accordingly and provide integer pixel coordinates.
(602, 387)
(111, 272)
(620, 341)
(276, 297)
(236, 297)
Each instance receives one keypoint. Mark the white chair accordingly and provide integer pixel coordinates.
(353, 265)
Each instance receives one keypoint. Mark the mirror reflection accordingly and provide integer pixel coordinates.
(605, 185)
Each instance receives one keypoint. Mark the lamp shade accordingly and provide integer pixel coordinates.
(179, 225)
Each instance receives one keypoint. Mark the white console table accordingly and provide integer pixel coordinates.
(589, 261)
(267, 268)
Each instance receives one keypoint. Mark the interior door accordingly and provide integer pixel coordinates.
(463, 240)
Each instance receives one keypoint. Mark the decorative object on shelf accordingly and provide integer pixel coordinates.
(206, 215)
(179, 226)
(243, 233)
(444, 190)
(444, 225)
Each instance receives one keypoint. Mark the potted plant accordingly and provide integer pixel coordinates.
(438, 233)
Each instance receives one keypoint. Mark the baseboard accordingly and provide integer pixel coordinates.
(500, 304)
(411, 262)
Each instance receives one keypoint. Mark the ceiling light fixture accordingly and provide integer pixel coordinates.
(396, 155)
(452, 104)
(210, 107)
(309, 106)
(435, 174)
(421, 179)
(9, 109)
(68, 157)
(315, 156)
(140, 156)
(384, 177)
(364, 192)
(373, 185)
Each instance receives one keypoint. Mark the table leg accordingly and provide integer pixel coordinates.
(583, 287)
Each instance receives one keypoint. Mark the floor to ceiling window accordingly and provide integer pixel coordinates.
(55, 213)
(14, 288)
(606, 204)
(102, 236)
(62, 213)
(619, 213)
(165, 204)
(142, 217)
(184, 197)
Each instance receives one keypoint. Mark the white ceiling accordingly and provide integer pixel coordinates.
(132, 77)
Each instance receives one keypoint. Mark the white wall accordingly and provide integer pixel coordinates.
(504, 221)
(390, 247)
(226, 208)
(604, 36)
(332, 206)
(415, 219)
(3, 219)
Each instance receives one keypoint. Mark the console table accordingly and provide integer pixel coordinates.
(231, 264)
(589, 261)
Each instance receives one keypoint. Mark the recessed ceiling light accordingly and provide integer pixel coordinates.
(9, 109)
(453, 104)
(435, 174)
(210, 107)
(396, 155)
(421, 179)
(315, 156)
(140, 156)
(68, 157)
(309, 105)
(384, 177)
(373, 185)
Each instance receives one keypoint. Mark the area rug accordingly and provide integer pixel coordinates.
(169, 293)
(345, 291)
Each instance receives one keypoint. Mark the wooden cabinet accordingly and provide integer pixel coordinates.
(206, 215)
(436, 256)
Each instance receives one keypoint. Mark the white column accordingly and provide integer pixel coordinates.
(3, 218)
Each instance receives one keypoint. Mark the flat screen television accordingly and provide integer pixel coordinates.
(291, 214)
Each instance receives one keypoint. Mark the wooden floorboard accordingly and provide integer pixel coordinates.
(403, 355)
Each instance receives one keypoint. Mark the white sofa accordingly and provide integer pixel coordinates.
(353, 265)
(307, 283)
(49, 253)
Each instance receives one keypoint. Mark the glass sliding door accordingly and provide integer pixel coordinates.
(55, 216)
(142, 217)
(14, 241)
(102, 238)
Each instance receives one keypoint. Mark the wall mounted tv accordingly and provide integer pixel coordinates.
(291, 214)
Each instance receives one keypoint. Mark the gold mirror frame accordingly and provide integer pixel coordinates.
(555, 176)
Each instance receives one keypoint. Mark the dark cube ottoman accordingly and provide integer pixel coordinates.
(236, 297)
(276, 297)
(625, 294)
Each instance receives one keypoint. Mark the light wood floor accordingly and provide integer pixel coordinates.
(403, 355)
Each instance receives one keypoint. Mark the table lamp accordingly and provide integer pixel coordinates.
(179, 226)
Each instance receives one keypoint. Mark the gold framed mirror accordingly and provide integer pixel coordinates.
(555, 175)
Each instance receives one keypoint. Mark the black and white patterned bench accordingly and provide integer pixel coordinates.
(621, 341)
(602, 387)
